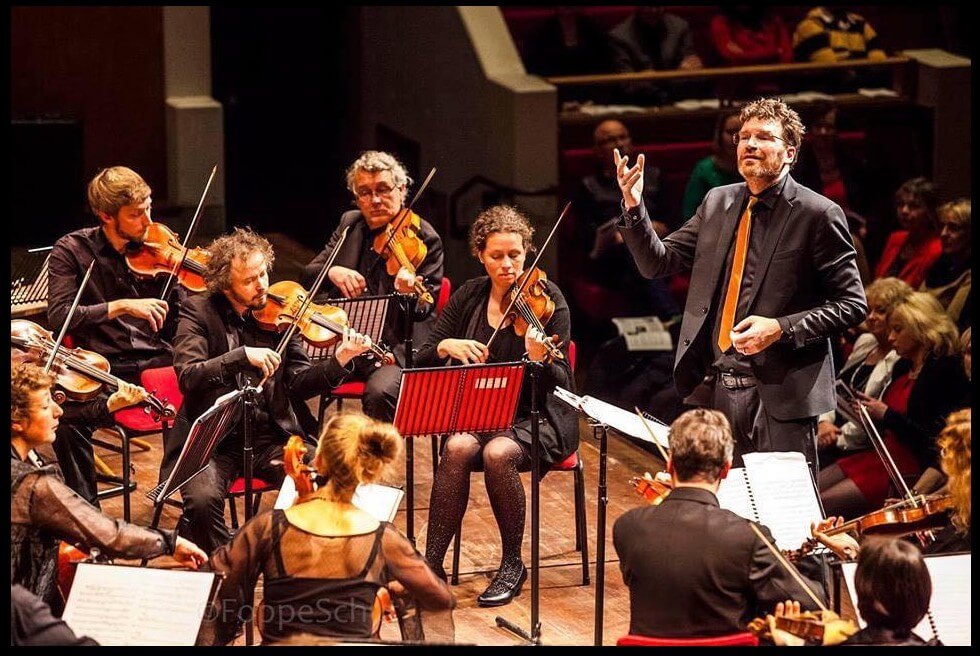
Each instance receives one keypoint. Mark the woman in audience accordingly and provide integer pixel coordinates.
(911, 251)
(867, 370)
(949, 278)
(44, 511)
(927, 384)
(744, 35)
(323, 560)
(715, 170)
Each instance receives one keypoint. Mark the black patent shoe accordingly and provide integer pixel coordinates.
(501, 590)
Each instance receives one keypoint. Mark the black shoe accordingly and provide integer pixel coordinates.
(501, 591)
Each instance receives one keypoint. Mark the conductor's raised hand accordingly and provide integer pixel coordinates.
(630, 178)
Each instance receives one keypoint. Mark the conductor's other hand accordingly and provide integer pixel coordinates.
(630, 179)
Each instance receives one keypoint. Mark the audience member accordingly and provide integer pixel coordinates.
(323, 560)
(966, 345)
(743, 35)
(569, 42)
(927, 384)
(949, 277)
(596, 205)
(912, 250)
(652, 40)
(717, 169)
(679, 588)
(831, 34)
(868, 369)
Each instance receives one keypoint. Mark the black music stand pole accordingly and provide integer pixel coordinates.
(600, 433)
(534, 637)
(248, 399)
(405, 302)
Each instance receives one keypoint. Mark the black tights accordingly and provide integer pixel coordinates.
(502, 460)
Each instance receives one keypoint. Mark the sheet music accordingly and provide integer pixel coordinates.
(951, 602)
(784, 495)
(644, 333)
(119, 605)
(623, 421)
(380, 501)
(733, 494)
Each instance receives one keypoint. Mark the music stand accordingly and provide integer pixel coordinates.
(602, 416)
(475, 398)
(29, 282)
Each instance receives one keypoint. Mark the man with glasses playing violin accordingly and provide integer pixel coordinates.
(379, 183)
(773, 277)
(119, 315)
(218, 348)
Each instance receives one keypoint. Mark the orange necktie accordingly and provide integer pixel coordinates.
(735, 281)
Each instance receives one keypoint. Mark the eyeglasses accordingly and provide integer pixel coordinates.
(383, 191)
(760, 138)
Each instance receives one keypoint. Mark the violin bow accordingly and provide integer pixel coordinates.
(885, 455)
(788, 566)
(71, 313)
(187, 237)
(520, 289)
(639, 413)
(309, 297)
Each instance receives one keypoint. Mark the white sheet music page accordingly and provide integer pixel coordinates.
(951, 601)
(733, 494)
(644, 333)
(784, 495)
(127, 606)
(381, 501)
(622, 420)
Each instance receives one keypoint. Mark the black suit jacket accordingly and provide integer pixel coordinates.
(349, 256)
(694, 569)
(806, 278)
(207, 369)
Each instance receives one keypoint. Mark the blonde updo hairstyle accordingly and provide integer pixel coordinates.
(354, 449)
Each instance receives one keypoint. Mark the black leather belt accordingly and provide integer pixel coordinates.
(736, 381)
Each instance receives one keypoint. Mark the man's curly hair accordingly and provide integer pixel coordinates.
(25, 379)
(224, 250)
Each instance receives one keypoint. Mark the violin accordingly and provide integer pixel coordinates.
(532, 308)
(161, 251)
(908, 516)
(652, 490)
(79, 373)
(401, 246)
(304, 478)
(321, 325)
(825, 628)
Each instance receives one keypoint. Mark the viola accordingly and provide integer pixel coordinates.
(652, 490)
(161, 251)
(68, 558)
(533, 307)
(402, 246)
(908, 516)
(320, 324)
(78, 372)
(825, 628)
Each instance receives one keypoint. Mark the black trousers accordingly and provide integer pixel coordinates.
(754, 429)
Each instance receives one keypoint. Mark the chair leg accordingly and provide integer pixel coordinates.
(103, 468)
(256, 502)
(435, 454)
(233, 509)
(142, 445)
(456, 545)
(581, 525)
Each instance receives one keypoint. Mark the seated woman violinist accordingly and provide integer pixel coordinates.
(323, 560)
(500, 238)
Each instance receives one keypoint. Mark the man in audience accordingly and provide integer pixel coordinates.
(692, 568)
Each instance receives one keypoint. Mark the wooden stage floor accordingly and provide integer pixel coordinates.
(566, 606)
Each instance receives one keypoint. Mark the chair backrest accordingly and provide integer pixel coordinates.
(571, 354)
(745, 639)
(162, 381)
(444, 292)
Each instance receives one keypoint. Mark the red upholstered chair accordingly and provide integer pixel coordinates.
(732, 640)
(570, 464)
(237, 489)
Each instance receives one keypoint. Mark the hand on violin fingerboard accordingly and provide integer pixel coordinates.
(127, 395)
(630, 179)
(405, 281)
(350, 283)
(843, 545)
(352, 344)
(534, 344)
(467, 351)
